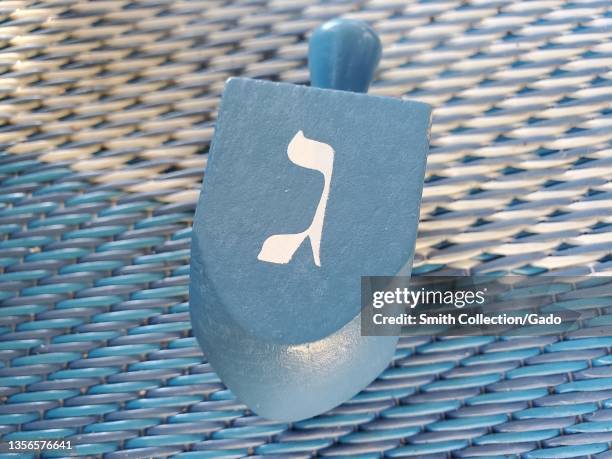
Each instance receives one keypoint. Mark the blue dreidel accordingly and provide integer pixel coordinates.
(306, 190)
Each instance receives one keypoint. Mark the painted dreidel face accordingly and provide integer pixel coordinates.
(306, 190)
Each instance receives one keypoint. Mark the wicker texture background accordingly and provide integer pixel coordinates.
(107, 109)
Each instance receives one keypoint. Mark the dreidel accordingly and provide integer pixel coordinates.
(307, 189)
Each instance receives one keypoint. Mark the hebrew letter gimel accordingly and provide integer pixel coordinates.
(318, 156)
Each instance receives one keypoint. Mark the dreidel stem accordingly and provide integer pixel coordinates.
(343, 54)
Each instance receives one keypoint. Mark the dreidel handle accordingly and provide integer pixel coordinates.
(343, 54)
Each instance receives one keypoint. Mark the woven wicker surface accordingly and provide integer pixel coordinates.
(106, 111)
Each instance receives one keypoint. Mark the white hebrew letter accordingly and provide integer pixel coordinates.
(318, 156)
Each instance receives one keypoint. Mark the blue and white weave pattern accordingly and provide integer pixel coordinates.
(106, 113)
